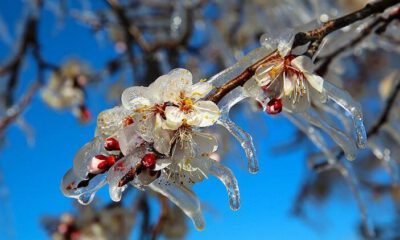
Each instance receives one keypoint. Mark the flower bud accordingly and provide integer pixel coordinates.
(149, 160)
(100, 163)
(111, 144)
(274, 106)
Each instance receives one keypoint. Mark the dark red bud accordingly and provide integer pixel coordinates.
(85, 114)
(149, 160)
(274, 106)
(128, 121)
(107, 163)
(111, 144)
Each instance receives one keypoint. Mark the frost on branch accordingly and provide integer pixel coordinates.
(156, 141)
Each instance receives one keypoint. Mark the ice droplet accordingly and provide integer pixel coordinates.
(86, 198)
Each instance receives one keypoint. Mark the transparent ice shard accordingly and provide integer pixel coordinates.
(332, 108)
(344, 141)
(243, 137)
(343, 99)
(226, 176)
(182, 197)
(314, 135)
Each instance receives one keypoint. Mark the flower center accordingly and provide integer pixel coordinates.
(160, 109)
(186, 105)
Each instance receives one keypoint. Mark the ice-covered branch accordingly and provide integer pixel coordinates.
(315, 36)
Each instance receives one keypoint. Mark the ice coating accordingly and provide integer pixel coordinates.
(343, 99)
(85, 154)
(335, 110)
(110, 120)
(233, 71)
(182, 197)
(84, 193)
(344, 141)
(314, 135)
(226, 176)
(117, 172)
(243, 137)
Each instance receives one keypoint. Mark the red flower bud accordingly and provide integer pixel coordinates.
(111, 144)
(149, 160)
(100, 163)
(128, 121)
(274, 106)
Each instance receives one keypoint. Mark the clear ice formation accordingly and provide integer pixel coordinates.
(226, 176)
(245, 139)
(182, 197)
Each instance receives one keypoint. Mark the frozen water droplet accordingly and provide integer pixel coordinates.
(86, 198)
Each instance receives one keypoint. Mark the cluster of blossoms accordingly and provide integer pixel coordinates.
(154, 140)
(288, 82)
(66, 89)
(91, 223)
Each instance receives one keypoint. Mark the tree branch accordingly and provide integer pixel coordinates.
(301, 38)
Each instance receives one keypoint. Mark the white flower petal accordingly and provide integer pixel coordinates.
(162, 163)
(174, 117)
(207, 114)
(162, 137)
(204, 142)
(156, 88)
(135, 97)
(180, 82)
(144, 125)
(288, 84)
(315, 81)
(304, 64)
(110, 121)
(200, 90)
(284, 48)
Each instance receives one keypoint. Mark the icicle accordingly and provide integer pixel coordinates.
(349, 148)
(243, 137)
(343, 99)
(345, 168)
(229, 180)
(330, 107)
(182, 197)
(383, 147)
(314, 135)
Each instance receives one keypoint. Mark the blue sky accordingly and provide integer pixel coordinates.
(32, 173)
